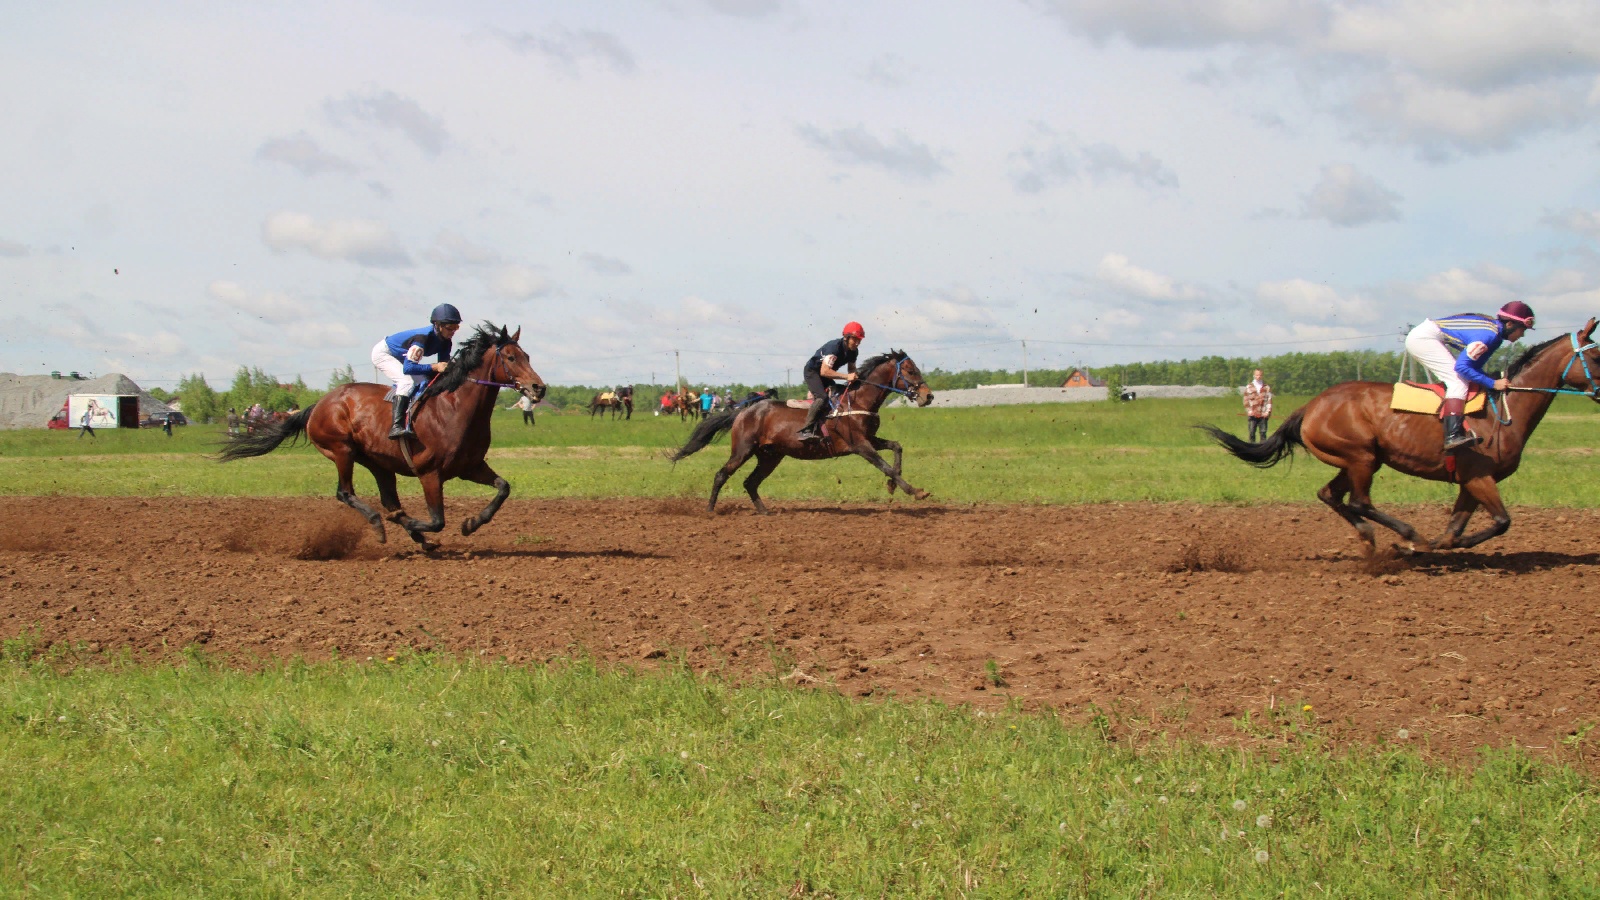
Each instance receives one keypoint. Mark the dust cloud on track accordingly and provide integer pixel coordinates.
(1201, 622)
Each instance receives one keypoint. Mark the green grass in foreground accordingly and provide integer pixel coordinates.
(1054, 453)
(446, 778)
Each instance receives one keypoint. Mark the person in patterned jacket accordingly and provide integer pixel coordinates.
(1257, 407)
(1475, 337)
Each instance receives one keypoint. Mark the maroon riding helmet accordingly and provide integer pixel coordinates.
(1517, 311)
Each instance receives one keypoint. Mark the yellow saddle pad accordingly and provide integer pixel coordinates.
(1410, 398)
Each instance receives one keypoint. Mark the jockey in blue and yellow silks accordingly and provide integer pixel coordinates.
(1475, 337)
(399, 358)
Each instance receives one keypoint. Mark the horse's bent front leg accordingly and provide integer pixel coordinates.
(871, 456)
(1466, 505)
(482, 474)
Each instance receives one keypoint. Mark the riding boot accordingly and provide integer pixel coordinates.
(1456, 434)
(808, 431)
(399, 428)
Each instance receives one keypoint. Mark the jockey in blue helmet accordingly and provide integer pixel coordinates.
(1475, 336)
(399, 357)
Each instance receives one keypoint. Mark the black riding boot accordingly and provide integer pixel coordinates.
(399, 429)
(808, 431)
(1456, 434)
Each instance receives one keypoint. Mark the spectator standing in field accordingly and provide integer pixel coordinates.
(166, 425)
(1257, 406)
(87, 415)
(525, 403)
(233, 420)
(706, 399)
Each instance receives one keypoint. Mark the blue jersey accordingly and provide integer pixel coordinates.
(1475, 338)
(401, 342)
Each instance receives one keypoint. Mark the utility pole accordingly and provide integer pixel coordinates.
(678, 365)
(1024, 363)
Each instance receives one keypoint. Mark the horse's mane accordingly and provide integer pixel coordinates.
(1528, 357)
(468, 357)
(876, 361)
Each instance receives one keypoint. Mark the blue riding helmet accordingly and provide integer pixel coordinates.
(445, 314)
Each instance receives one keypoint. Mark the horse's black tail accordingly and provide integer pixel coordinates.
(266, 439)
(1269, 452)
(704, 434)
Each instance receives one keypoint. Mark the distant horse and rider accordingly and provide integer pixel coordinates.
(350, 425)
(767, 429)
(619, 402)
(1353, 428)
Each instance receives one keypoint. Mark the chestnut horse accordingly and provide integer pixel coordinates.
(1351, 427)
(350, 425)
(766, 429)
(601, 403)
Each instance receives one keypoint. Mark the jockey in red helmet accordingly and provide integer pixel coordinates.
(1476, 337)
(835, 359)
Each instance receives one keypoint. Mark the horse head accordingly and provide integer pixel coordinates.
(1585, 362)
(897, 372)
(513, 362)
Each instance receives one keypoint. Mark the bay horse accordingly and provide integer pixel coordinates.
(1351, 427)
(687, 404)
(766, 429)
(601, 403)
(350, 425)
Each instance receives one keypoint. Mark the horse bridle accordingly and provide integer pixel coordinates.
(1593, 393)
(499, 384)
(893, 386)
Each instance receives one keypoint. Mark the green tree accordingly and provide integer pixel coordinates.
(346, 375)
(200, 402)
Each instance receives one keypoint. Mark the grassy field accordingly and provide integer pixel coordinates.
(436, 777)
(1057, 453)
(430, 776)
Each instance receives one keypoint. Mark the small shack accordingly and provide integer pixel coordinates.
(1079, 379)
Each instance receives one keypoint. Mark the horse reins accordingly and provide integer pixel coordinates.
(1593, 393)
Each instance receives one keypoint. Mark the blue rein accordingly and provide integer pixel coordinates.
(1577, 356)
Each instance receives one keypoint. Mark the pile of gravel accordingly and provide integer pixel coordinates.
(28, 401)
(1168, 391)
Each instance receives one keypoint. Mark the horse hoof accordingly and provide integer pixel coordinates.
(922, 495)
(891, 485)
(468, 527)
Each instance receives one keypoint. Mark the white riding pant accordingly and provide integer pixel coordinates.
(391, 369)
(1426, 345)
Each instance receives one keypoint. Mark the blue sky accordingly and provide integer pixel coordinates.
(195, 187)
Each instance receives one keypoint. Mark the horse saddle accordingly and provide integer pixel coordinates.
(1409, 396)
(834, 393)
(608, 396)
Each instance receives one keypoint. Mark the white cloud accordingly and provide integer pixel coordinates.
(1050, 159)
(518, 282)
(1578, 221)
(1459, 290)
(269, 306)
(359, 241)
(302, 154)
(1442, 76)
(387, 109)
(1348, 197)
(568, 49)
(855, 146)
(1122, 276)
(747, 9)
(1308, 300)
(941, 314)
(452, 251)
(606, 265)
(12, 248)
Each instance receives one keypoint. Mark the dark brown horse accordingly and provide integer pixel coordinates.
(766, 429)
(350, 425)
(601, 403)
(1351, 427)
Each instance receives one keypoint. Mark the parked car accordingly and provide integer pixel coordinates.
(156, 420)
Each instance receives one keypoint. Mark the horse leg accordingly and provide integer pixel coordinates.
(1333, 494)
(433, 495)
(870, 455)
(1486, 492)
(765, 463)
(880, 444)
(741, 452)
(482, 474)
(1361, 502)
(346, 492)
(1466, 505)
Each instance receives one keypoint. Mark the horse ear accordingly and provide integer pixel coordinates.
(518, 335)
(1586, 331)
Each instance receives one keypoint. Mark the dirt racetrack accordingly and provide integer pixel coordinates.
(1214, 623)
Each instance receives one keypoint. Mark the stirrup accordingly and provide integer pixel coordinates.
(1465, 439)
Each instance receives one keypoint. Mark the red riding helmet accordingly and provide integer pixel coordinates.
(854, 329)
(1517, 311)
